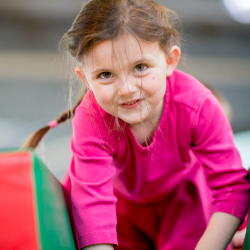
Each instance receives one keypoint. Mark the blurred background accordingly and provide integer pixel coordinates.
(34, 80)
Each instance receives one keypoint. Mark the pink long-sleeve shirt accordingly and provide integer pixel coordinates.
(193, 142)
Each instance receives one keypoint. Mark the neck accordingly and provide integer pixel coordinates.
(143, 132)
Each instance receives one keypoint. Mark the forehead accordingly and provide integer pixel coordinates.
(121, 52)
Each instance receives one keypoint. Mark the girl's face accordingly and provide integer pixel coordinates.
(128, 77)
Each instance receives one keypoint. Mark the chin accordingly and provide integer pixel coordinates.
(132, 121)
(134, 118)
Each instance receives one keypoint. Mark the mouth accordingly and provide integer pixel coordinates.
(131, 104)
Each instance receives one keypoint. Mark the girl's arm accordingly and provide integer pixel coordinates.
(213, 145)
(219, 232)
(99, 247)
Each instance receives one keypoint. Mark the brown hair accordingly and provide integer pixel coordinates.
(101, 20)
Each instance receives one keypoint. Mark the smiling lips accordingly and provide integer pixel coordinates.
(131, 104)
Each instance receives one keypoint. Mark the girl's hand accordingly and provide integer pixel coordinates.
(99, 247)
(238, 238)
(219, 232)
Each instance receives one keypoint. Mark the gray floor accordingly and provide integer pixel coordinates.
(34, 90)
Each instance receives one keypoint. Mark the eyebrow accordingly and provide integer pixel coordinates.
(100, 70)
(143, 60)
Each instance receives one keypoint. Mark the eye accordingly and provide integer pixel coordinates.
(105, 75)
(140, 67)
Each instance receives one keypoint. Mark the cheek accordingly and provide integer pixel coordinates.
(154, 85)
(104, 96)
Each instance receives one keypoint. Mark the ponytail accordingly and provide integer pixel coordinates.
(36, 137)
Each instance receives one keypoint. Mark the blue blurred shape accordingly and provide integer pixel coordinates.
(242, 142)
(239, 9)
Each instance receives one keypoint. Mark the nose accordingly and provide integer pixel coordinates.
(128, 86)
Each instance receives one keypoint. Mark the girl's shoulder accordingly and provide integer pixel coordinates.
(186, 90)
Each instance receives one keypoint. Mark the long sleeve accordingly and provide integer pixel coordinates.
(213, 144)
(91, 172)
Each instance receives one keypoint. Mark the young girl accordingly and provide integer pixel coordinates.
(154, 165)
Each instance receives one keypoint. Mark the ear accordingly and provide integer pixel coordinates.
(173, 59)
(81, 75)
